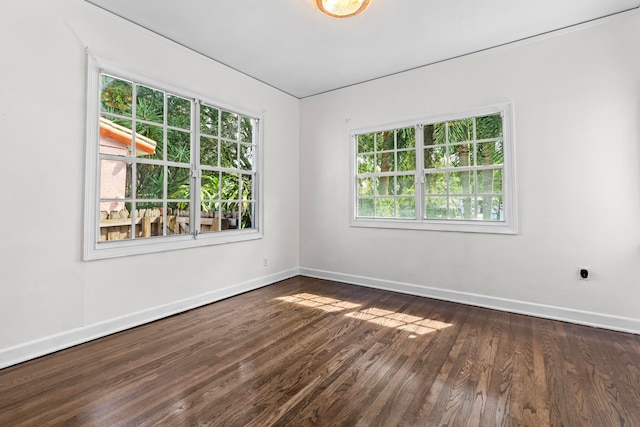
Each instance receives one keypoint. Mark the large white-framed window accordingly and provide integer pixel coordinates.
(451, 172)
(166, 168)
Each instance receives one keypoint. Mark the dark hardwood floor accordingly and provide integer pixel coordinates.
(308, 352)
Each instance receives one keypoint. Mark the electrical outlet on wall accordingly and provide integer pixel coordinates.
(584, 273)
(265, 261)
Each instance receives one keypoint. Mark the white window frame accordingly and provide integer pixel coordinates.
(510, 223)
(93, 248)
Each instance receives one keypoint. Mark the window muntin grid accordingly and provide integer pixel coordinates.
(386, 173)
(462, 172)
(181, 183)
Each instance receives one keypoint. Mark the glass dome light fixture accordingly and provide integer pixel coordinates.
(342, 8)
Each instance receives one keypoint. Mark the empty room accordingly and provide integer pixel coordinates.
(320, 212)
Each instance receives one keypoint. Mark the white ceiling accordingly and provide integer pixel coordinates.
(291, 46)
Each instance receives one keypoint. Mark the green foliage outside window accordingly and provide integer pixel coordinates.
(462, 170)
(226, 149)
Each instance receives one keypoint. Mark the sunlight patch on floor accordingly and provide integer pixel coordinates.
(405, 322)
(391, 319)
(316, 301)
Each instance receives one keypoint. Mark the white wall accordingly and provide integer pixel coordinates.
(577, 110)
(576, 100)
(46, 290)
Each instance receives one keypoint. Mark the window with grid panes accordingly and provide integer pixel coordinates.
(447, 173)
(166, 169)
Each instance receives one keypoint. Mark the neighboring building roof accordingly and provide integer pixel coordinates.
(125, 135)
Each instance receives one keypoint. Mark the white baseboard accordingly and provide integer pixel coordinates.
(31, 350)
(598, 320)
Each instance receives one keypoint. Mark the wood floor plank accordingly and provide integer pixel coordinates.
(311, 352)
(495, 410)
(541, 395)
(524, 410)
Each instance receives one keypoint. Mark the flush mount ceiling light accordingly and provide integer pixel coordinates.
(342, 8)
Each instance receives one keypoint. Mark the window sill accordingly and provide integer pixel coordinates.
(498, 227)
(104, 250)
